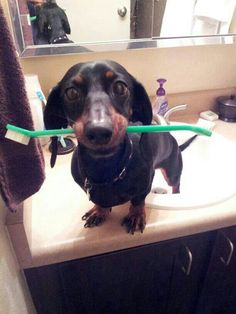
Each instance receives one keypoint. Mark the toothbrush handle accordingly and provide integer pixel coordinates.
(167, 128)
(39, 133)
(130, 129)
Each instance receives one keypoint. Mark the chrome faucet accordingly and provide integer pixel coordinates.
(164, 120)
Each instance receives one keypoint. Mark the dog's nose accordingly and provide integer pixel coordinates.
(98, 133)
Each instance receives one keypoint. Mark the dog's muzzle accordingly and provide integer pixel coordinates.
(98, 133)
(98, 129)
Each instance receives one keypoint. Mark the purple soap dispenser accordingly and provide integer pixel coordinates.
(160, 105)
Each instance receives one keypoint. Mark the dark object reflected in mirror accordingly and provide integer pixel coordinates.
(33, 7)
(49, 22)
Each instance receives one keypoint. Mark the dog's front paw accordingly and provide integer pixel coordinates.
(95, 216)
(135, 220)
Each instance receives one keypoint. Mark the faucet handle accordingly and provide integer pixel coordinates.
(158, 119)
(172, 110)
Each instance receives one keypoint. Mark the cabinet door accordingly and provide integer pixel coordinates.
(192, 257)
(46, 289)
(162, 278)
(97, 21)
(131, 281)
(219, 293)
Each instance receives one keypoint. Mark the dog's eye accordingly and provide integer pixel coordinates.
(72, 93)
(119, 88)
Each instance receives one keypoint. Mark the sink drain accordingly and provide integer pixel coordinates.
(159, 190)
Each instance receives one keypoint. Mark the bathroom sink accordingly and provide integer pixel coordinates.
(208, 177)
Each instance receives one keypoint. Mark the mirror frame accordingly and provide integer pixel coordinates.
(26, 49)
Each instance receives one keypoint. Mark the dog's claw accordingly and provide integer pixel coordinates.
(96, 216)
(94, 221)
(85, 216)
(134, 223)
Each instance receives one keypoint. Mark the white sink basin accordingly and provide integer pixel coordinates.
(209, 174)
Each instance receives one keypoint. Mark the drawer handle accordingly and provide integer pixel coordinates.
(231, 250)
(187, 268)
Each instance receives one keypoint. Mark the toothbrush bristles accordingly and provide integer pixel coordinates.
(17, 137)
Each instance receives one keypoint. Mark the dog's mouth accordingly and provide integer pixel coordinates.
(99, 139)
(103, 152)
(104, 148)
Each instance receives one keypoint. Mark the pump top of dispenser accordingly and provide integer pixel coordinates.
(161, 91)
(160, 105)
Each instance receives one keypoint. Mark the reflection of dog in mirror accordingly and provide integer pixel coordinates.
(99, 100)
(53, 22)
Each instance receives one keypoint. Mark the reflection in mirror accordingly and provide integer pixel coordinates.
(49, 22)
(201, 17)
(61, 26)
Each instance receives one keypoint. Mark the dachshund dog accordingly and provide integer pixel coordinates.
(53, 22)
(99, 100)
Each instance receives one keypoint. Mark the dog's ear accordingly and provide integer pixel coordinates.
(141, 105)
(54, 118)
(54, 115)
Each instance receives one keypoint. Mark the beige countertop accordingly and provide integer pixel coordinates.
(48, 229)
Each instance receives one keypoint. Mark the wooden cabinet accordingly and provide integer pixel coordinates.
(194, 274)
(189, 271)
(46, 289)
(131, 281)
(218, 295)
(135, 280)
(160, 278)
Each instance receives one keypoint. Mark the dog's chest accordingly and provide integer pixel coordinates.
(133, 180)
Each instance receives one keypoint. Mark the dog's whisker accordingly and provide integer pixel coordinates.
(71, 120)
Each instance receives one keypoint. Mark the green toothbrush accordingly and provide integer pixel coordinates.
(23, 136)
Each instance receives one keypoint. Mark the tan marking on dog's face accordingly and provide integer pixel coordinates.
(78, 79)
(78, 127)
(109, 74)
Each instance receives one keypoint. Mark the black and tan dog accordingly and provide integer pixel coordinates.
(99, 100)
(53, 22)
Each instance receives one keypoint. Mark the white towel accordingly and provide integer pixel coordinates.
(215, 10)
(203, 27)
(178, 18)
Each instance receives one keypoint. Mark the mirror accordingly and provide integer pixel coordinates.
(49, 27)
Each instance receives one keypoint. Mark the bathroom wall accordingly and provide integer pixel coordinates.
(14, 294)
(186, 69)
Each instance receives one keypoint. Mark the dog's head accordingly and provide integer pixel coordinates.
(97, 99)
